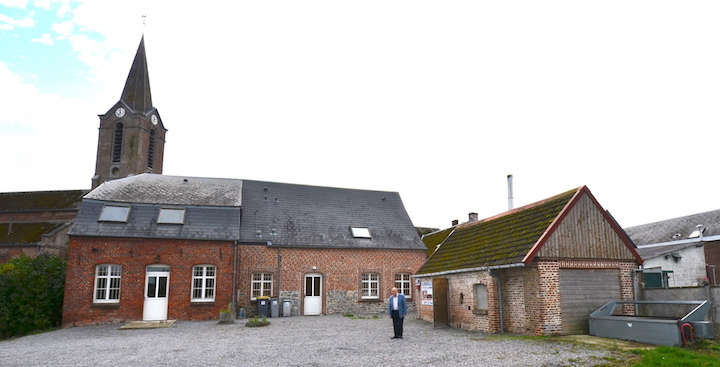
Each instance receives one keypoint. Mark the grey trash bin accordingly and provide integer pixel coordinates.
(263, 307)
(274, 307)
(286, 306)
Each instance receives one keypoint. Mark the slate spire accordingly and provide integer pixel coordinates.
(136, 93)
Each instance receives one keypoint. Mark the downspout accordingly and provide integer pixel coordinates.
(234, 278)
(500, 300)
(279, 264)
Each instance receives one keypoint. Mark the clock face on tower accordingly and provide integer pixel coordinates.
(154, 119)
(120, 112)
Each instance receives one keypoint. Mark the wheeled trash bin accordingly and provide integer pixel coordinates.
(263, 306)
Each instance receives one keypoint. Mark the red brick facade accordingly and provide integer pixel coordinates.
(134, 255)
(531, 296)
(341, 271)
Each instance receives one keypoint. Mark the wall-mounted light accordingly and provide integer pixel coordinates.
(314, 267)
(157, 259)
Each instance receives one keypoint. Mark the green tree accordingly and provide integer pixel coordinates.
(31, 294)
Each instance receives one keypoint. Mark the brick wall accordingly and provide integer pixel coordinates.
(134, 255)
(531, 296)
(341, 271)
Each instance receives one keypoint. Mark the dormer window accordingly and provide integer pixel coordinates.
(360, 232)
(114, 213)
(171, 216)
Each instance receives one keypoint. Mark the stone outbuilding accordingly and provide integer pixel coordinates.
(540, 269)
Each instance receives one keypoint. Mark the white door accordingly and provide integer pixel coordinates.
(157, 279)
(313, 294)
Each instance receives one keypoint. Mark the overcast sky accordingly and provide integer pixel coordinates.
(438, 100)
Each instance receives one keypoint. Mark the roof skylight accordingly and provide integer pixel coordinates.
(360, 232)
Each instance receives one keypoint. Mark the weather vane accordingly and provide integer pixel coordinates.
(143, 17)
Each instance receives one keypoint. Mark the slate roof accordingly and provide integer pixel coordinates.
(316, 216)
(502, 240)
(136, 93)
(251, 212)
(150, 188)
(35, 201)
(676, 229)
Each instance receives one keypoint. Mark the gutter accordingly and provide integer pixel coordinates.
(680, 242)
(468, 270)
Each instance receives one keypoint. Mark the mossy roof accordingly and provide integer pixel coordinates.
(432, 240)
(41, 200)
(25, 233)
(501, 240)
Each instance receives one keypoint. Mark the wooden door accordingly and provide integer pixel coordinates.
(441, 315)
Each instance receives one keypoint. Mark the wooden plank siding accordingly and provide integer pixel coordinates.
(584, 233)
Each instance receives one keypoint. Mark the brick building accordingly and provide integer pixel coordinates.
(36, 222)
(157, 247)
(540, 269)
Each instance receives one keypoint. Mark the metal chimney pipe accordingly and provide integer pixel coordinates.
(510, 191)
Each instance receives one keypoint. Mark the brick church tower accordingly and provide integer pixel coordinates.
(132, 135)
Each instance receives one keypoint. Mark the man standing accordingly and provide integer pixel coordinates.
(397, 309)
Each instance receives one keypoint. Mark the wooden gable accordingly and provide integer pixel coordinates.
(585, 231)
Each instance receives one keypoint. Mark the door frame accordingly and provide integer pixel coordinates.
(156, 308)
(313, 306)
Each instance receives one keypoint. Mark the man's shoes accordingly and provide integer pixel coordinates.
(396, 337)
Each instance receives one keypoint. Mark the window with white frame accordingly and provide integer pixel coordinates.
(261, 285)
(402, 283)
(203, 283)
(370, 285)
(114, 213)
(481, 297)
(107, 283)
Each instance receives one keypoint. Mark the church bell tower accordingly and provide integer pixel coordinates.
(132, 135)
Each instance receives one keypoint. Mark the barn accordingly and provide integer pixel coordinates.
(540, 269)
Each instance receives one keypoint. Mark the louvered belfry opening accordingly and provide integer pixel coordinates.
(151, 150)
(117, 142)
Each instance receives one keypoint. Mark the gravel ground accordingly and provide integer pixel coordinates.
(331, 340)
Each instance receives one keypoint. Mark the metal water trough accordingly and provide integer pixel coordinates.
(652, 330)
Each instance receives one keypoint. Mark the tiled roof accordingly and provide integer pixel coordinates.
(655, 251)
(501, 240)
(25, 233)
(432, 240)
(41, 200)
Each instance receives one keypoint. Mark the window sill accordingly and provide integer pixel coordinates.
(106, 305)
(480, 312)
(201, 303)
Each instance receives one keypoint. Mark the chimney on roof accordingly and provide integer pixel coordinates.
(472, 217)
(510, 191)
(455, 222)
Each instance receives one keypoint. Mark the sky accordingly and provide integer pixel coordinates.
(439, 101)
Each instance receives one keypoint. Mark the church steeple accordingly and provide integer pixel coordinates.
(132, 135)
(136, 93)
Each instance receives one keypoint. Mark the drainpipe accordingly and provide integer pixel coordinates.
(279, 265)
(500, 300)
(234, 278)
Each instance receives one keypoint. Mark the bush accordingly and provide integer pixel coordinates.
(31, 294)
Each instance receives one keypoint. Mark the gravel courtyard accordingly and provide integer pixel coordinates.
(331, 340)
